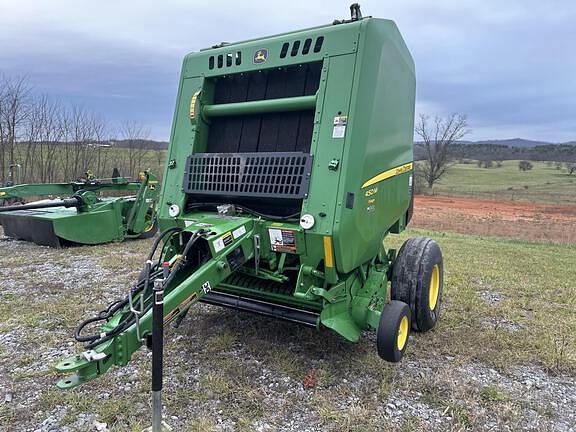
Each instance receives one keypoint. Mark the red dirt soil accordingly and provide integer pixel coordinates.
(519, 220)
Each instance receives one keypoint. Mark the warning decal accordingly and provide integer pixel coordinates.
(223, 241)
(339, 129)
(282, 240)
(239, 232)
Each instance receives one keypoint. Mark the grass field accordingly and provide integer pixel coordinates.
(541, 184)
(503, 356)
(101, 161)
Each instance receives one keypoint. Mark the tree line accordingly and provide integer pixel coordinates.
(439, 148)
(497, 152)
(45, 140)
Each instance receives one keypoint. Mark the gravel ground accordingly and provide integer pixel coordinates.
(228, 371)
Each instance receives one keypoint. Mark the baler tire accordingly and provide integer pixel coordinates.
(150, 232)
(393, 331)
(418, 280)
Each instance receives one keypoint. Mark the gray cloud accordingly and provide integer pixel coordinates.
(510, 66)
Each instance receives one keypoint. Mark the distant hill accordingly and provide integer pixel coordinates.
(517, 142)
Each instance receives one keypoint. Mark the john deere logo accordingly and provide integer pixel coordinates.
(260, 56)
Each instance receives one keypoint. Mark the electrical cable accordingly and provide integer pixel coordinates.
(294, 216)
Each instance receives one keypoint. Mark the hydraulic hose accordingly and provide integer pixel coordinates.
(143, 284)
(159, 239)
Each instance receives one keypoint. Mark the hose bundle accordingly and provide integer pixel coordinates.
(152, 270)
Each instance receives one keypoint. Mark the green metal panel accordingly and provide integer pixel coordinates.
(338, 40)
(322, 198)
(379, 138)
(184, 140)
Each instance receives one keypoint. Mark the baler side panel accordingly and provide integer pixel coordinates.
(322, 198)
(184, 141)
(380, 135)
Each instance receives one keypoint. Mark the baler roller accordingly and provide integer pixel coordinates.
(264, 106)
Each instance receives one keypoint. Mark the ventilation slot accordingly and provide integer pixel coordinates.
(272, 175)
(284, 50)
(318, 44)
(231, 59)
(306, 48)
(295, 47)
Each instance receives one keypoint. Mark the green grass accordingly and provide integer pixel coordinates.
(534, 320)
(541, 184)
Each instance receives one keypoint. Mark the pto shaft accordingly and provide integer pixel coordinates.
(66, 202)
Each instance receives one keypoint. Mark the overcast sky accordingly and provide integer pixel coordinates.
(509, 65)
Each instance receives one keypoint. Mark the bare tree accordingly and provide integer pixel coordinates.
(3, 133)
(438, 135)
(160, 156)
(44, 132)
(83, 133)
(14, 109)
(134, 136)
(53, 142)
(102, 149)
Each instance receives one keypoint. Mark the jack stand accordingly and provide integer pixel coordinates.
(157, 353)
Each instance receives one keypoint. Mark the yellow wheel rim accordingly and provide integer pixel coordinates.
(402, 333)
(434, 289)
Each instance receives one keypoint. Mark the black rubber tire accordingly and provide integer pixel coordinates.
(151, 232)
(387, 337)
(411, 280)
